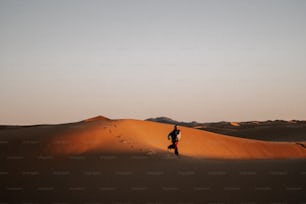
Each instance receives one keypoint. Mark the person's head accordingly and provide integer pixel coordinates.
(175, 127)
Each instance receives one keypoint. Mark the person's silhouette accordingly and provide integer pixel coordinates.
(174, 136)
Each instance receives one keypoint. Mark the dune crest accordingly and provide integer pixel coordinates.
(97, 118)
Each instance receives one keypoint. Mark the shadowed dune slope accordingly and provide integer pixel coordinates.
(101, 135)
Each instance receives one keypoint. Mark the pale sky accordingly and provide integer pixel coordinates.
(67, 60)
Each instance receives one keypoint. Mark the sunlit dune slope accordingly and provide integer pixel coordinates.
(142, 137)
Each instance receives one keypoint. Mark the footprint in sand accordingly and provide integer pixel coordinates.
(121, 140)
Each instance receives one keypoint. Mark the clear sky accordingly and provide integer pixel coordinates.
(203, 60)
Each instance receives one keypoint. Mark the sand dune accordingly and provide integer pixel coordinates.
(126, 161)
(289, 131)
(102, 135)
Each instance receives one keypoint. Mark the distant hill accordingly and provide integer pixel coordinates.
(276, 130)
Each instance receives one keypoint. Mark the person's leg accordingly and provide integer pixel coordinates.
(176, 149)
(172, 146)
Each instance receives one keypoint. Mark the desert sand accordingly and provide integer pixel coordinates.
(99, 160)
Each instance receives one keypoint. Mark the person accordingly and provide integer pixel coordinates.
(174, 136)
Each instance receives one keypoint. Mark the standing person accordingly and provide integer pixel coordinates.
(175, 136)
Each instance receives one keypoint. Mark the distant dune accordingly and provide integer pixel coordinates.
(102, 135)
(235, 124)
(277, 130)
